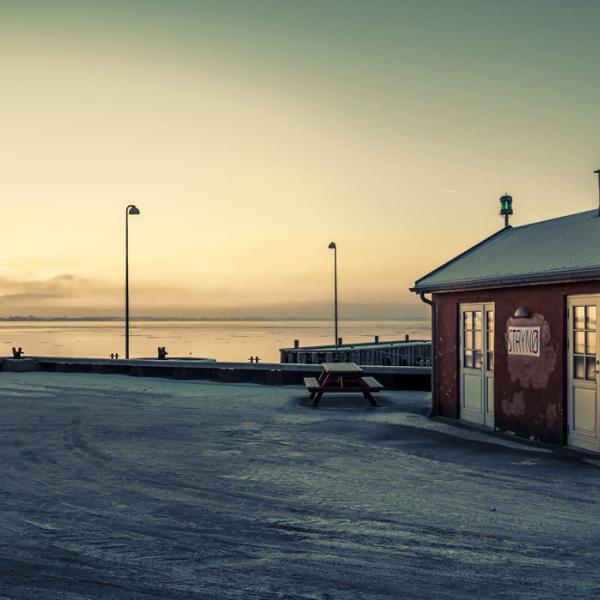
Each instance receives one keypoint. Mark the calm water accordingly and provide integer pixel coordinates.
(223, 340)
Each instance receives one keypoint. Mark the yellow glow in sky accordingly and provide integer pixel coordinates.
(246, 160)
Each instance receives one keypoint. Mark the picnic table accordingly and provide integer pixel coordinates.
(342, 378)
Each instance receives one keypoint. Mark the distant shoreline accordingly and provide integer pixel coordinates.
(108, 319)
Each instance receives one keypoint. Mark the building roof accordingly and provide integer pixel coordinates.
(554, 250)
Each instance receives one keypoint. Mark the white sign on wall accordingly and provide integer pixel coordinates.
(524, 341)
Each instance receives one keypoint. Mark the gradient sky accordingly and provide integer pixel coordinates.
(253, 133)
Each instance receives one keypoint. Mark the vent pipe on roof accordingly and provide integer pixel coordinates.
(598, 173)
(506, 208)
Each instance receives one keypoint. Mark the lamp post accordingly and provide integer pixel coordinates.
(333, 247)
(598, 173)
(130, 210)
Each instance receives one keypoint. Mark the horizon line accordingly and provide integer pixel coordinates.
(109, 318)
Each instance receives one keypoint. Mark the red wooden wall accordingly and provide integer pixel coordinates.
(529, 392)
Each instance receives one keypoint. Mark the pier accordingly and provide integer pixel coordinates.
(398, 353)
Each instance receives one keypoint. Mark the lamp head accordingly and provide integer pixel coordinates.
(134, 210)
(506, 209)
(506, 205)
(332, 246)
(522, 312)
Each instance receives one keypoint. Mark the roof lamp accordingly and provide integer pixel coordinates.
(506, 208)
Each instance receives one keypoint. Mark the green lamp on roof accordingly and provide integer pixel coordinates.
(506, 208)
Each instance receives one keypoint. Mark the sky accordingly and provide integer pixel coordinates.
(251, 134)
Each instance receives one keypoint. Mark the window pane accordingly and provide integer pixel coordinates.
(477, 319)
(490, 361)
(579, 342)
(579, 315)
(590, 343)
(490, 320)
(490, 341)
(579, 367)
(468, 320)
(478, 345)
(591, 317)
(590, 368)
(468, 359)
(468, 339)
(477, 359)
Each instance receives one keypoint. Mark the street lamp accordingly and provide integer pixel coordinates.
(333, 247)
(130, 210)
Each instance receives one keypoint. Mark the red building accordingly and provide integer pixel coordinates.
(514, 324)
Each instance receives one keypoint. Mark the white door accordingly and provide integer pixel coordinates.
(582, 386)
(477, 363)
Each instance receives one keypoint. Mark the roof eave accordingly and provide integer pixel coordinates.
(538, 278)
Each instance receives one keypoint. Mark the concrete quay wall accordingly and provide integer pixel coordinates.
(393, 378)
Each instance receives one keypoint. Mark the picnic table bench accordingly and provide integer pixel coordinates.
(342, 378)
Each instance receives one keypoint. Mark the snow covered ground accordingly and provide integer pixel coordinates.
(114, 487)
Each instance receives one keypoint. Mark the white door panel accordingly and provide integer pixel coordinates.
(473, 396)
(582, 375)
(477, 363)
(584, 411)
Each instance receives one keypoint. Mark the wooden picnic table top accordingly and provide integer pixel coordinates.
(341, 377)
(342, 368)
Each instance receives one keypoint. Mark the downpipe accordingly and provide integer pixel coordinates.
(434, 408)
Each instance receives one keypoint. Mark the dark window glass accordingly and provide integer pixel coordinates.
(590, 343)
(468, 340)
(468, 359)
(591, 317)
(590, 368)
(468, 320)
(478, 345)
(579, 367)
(579, 342)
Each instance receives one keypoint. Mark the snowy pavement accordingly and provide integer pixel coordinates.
(115, 487)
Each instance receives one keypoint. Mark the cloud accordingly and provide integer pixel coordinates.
(27, 296)
(15, 286)
(68, 294)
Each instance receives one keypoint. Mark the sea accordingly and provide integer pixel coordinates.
(222, 340)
